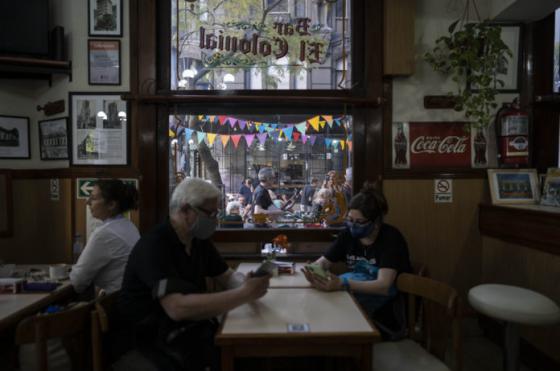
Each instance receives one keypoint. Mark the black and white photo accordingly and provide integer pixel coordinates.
(53, 139)
(14, 137)
(103, 140)
(105, 18)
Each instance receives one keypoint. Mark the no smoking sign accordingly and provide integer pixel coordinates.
(443, 190)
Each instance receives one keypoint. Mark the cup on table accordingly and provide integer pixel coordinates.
(58, 271)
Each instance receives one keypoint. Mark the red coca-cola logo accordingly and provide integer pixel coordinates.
(435, 144)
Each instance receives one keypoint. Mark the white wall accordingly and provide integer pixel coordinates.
(433, 17)
(20, 97)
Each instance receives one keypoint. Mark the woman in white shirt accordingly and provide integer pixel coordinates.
(104, 258)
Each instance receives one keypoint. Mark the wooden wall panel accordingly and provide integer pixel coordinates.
(443, 236)
(42, 228)
(506, 263)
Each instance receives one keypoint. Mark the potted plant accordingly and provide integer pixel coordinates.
(472, 54)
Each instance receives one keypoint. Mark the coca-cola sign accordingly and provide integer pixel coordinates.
(435, 145)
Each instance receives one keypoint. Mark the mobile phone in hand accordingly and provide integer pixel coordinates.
(266, 268)
(317, 269)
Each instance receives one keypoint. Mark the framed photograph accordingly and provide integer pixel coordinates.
(53, 139)
(104, 66)
(14, 137)
(513, 186)
(105, 18)
(99, 129)
(509, 74)
(551, 188)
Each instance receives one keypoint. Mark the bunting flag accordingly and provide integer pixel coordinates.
(200, 135)
(188, 134)
(249, 139)
(322, 123)
(296, 136)
(327, 118)
(342, 145)
(274, 126)
(301, 127)
(288, 132)
(349, 145)
(211, 138)
(202, 118)
(314, 122)
(171, 133)
(235, 139)
(221, 119)
(312, 139)
(224, 139)
(242, 124)
(304, 138)
(262, 128)
(328, 142)
(262, 138)
(337, 122)
(232, 122)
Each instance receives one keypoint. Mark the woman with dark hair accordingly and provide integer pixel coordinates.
(375, 254)
(106, 253)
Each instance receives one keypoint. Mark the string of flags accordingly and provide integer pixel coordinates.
(259, 132)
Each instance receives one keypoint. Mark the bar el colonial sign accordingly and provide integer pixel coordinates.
(244, 44)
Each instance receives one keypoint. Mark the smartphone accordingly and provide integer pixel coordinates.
(317, 269)
(266, 268)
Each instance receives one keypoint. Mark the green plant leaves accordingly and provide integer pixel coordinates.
(472, 55)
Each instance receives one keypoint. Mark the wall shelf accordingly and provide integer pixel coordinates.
(534, 226)
(33, 68)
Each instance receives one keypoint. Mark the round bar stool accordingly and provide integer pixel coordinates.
(514, 305)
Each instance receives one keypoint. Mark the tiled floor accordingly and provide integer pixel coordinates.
(481, 354)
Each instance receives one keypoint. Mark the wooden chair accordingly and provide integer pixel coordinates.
(101, 315)
(71, 324)
(433, 329)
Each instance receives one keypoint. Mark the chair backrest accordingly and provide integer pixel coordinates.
(101, 317)
(433, 315)
(72, 322)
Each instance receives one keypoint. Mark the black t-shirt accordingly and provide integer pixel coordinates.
(262, 197)
(388, 251)
(161, 255)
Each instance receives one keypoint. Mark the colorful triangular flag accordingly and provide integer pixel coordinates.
(224, 139)
(249, 139)
(235, 139)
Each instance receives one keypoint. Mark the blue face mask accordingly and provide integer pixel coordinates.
(360, 230)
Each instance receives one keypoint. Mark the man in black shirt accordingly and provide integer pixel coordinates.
(164, 298)
(261, 197)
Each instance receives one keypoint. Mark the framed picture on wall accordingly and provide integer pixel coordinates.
(14, 137)
(104, 62)
(551, 188)
(513, 186)
(53, 139)
(105, 18)
(99, 129)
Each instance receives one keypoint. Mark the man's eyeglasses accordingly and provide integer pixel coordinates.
(208, 213)
(357, 221)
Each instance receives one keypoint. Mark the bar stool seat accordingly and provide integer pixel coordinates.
(514, 305)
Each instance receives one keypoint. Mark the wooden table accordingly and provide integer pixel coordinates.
(337, 327)
(283, 280)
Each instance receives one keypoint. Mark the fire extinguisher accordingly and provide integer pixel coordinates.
(512, 135)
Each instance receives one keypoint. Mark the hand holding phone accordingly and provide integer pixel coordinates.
(317, 269)
(266, 268)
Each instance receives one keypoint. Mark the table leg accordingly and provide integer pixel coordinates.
(511, 347)
(227, 359)
(366, 357)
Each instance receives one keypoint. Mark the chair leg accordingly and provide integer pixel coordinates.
(511, 347)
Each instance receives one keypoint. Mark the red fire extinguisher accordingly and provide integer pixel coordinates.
(512, 135)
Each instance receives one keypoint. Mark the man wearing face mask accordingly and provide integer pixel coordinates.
(375, 254)
(164, 298)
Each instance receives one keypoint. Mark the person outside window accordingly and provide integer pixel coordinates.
(104, 258)
(262, 200)
(164, 299)
(233, 218)
(308, 193)
(246, 190)
(375, 254)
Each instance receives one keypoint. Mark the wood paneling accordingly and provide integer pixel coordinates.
(398, 37)
(42, 227)
(507, 263)
(442, 236)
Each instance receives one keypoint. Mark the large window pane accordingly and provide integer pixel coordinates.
(260, 45)
(228, 149)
